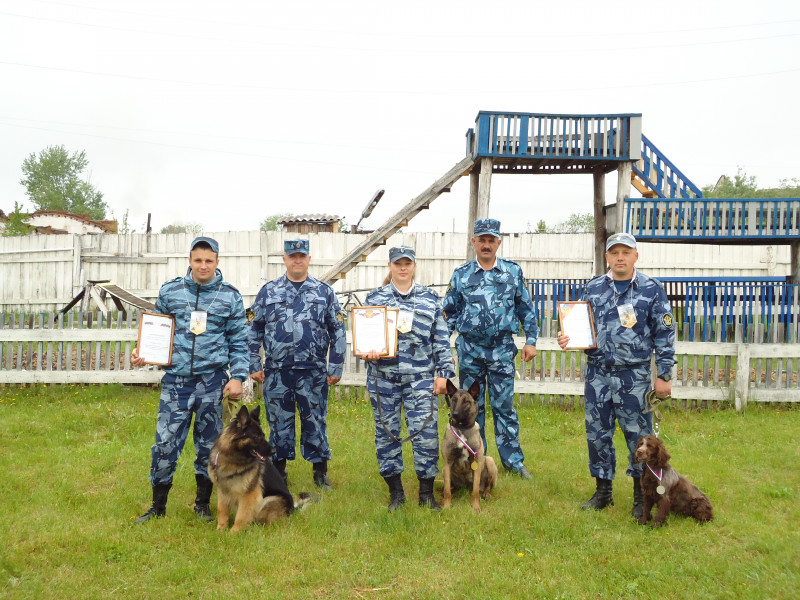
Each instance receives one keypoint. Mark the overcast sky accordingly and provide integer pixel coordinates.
(222, 113)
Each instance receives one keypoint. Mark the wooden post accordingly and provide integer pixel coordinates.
(623, 191)
(599, 223)
(474, 184)
(794, 250)
(484, 188)
(742, 376)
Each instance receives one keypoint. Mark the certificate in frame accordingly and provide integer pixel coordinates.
(369, 328)
(156, 334)
(576, 321)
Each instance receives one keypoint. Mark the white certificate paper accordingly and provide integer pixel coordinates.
(575, 319)
(369, 330)
(155, 338)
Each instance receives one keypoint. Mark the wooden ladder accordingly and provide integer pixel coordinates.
(400, 219)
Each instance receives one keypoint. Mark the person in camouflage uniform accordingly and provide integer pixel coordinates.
(411, 380)
(486, 301)
(632, 319)
(297, 320)
(209, 339)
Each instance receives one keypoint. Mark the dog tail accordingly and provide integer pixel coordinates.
(304, 499)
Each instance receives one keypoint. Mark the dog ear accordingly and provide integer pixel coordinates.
(451, 389)
(662, 458)
(475, 389)
(242, 416)
(255, 414)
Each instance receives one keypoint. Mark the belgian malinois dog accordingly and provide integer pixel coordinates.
(465, 462)
(245, 477)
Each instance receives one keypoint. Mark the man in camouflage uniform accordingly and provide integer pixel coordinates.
(210, 338)
(297, 319)
(632, 319)
(486, 301)
(410, 381)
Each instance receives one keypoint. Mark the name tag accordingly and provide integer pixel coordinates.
(627, 316)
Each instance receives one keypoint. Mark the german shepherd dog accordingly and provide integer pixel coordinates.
(246, 478)
(465, 463)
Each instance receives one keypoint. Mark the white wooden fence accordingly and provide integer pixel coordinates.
(44, 272)
(44, 350)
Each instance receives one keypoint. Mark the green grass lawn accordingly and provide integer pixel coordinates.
(75, 461)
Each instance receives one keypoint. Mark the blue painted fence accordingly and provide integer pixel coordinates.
(719, 219)
(606, 137)
(710, 308)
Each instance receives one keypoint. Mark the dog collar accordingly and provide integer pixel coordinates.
(463, 441)
(216, 458)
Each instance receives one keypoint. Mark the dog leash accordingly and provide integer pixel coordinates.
(652, 400)
(428, 419)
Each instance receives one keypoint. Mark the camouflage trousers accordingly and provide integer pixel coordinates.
(304, 391)
(180, 398)
(412, 395)
(494, 368)
(616, 395)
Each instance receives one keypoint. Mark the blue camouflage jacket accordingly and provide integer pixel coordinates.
(423, 351)
(486, 305)
(619, 347)
(223, 345)
(300, 329)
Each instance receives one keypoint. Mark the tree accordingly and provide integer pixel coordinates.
(193, 228)
(270, 223)
(17, 223)
(576, 223)
(53, 183)
(541, 227)
(746, 186)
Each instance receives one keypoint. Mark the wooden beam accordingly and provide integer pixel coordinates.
(599, 180)
(623, 191)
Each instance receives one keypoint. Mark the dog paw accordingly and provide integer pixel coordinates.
(476, 507)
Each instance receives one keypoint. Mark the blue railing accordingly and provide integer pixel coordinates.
(658, 175)
(711, 303)
(713, 219)
(611, 137)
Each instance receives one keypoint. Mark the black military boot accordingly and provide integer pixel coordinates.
(159, 507)
(638, 498)
(201, 503)
(602, 497)
(321, 476)
(281, 466)
(397, 497)
(426, 494)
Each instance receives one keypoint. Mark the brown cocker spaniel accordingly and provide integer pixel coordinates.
(665, 487)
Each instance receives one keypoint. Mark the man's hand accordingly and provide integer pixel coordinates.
(440, 385)
(528, 352)
(234, 389)
(562, 340)
(258, 376)
(333, 380)
(136, 360)
(372, 355)
(663, 388)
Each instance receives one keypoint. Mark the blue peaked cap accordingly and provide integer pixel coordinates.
(210, 241)
(295, 247)
(399, 252)
(487, 227)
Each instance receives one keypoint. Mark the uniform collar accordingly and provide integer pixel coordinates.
(632, 279)
(494, 266)
(215, 281)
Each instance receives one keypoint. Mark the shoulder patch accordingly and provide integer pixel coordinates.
(667, 320)
(250, 314)
(339, 317)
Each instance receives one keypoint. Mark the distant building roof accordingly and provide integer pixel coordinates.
(309, 219)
